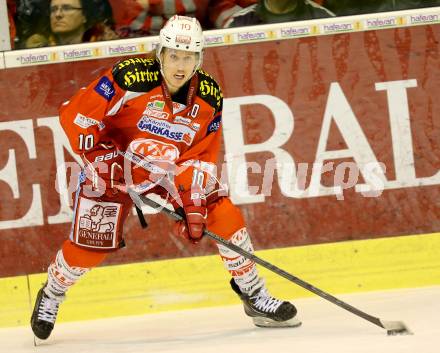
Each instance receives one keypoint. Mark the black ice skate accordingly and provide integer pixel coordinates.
(265, 310)
(45, 313)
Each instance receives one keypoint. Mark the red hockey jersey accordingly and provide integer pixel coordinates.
(129, 106)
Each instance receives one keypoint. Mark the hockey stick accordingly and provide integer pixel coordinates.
(141, 217)
(392, 327)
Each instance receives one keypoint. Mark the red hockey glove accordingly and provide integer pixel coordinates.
(104, 169)
(196, 215)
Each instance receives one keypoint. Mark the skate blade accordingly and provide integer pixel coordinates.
(266, 322)
(38, 341)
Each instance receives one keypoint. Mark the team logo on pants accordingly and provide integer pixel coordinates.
(96, 224)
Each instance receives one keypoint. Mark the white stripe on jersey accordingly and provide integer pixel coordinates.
(139, 21)
(317, 6)
(129, 95)
(190, 7)
(225, 15)
(240, 13)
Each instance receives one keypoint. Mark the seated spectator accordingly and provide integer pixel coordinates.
(221, 11)
(135, 18)
(73, 22)
(355, 7)
(31, 17)
(276, 11)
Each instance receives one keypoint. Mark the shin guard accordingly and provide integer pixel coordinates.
(61, 276)
(243, 270)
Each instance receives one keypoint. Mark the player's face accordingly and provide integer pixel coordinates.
(178, 67)
(66, 16)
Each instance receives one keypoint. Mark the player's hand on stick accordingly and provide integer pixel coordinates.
(193, 204)
(104, 169)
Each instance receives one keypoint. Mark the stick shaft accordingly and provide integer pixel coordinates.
(141, 217)
(270, 267)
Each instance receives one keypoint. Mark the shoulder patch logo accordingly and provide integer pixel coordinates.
(105, 88)
(140, 76)
(210, 91)
(214, 125)
(137, 74)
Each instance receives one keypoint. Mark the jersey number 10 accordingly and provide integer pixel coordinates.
(86, 142)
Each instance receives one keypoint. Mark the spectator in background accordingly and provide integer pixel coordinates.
(12, 10)
(276, 11)
(355, 7)
(31, 17)
(135, 18)
(73, 22)
(222, 11)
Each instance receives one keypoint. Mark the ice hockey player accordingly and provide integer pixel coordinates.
(166, 112)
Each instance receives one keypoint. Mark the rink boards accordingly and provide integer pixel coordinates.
(135, 289)
(341, 138)
(314, 150)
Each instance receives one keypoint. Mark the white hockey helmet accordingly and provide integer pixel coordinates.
(182, 33)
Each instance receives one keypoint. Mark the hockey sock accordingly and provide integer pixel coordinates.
(243, 271)
(61, 276)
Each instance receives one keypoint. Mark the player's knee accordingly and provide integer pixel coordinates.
(224, 218)
(77, 256)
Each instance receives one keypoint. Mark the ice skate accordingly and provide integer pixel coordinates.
(45, 313)
(265, 310)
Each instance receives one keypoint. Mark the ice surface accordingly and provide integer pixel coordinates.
(326, 328)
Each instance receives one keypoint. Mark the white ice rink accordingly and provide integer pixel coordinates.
(326, 328)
